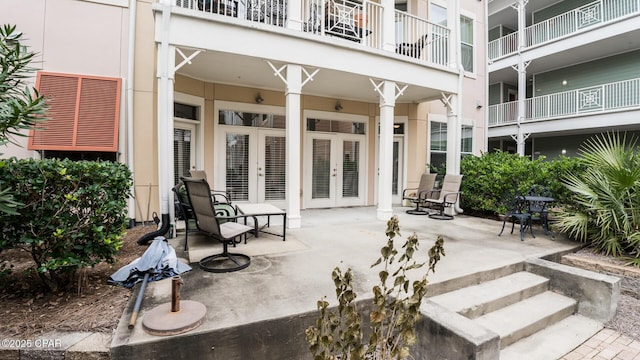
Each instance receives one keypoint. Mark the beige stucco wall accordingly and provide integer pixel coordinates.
(474, 85)
(92, 44)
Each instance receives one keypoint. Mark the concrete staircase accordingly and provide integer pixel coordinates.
(537, 311)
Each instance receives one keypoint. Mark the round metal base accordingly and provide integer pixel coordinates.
(225, 262)
(439, 216)
(417, 212)
(161, 321)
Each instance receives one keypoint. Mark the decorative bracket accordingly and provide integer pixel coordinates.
(519, 3)
(186, 59)
(524, 137)
(446, 100)
(377, 88)
(278, 72)
(525, 66)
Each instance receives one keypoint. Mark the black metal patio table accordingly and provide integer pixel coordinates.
(538, 204)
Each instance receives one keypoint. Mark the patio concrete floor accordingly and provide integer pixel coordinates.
(287, 284)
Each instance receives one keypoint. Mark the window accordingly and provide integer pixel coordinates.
(439, 143)
(237, 118)
(466, 140)
(83, 114)
(466, 43)
(185, 111)
(336, 126)
(438, 14)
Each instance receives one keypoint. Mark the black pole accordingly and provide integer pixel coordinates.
(136, 307)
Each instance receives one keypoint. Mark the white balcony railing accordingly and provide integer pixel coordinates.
(421, 39)
(504, 46)
(597, 12)
(504, 113)
(593, 99)
(357, 21)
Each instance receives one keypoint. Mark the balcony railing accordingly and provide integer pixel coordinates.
(421, 39)
(345, 19)
(357, 21)
(593, 99)
(565, 24)
(503, 46)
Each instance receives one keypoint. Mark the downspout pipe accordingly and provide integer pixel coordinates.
(457, 207)
(458, 128)
(130, 77)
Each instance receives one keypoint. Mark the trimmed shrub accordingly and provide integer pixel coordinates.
(489, 177)
(73, 214)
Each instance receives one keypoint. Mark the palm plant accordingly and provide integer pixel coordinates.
(607, 208)
(21, 107)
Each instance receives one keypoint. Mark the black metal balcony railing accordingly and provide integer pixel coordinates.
(357, 21)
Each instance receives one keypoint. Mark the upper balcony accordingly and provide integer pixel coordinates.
(359, 22)
(350, 44)
(605, 98)
(581, 19)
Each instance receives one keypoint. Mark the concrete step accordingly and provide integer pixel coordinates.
(528, 316)
(554, 341)
(477, 300)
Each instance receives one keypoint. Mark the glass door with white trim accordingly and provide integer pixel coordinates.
(272, 175)
(397, 170)
(184, 149)
(335, 172)
(251, 157)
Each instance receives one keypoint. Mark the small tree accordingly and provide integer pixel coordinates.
(396, 307)
(21, 107)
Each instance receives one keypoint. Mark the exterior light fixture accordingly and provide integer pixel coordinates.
(259, 99)
(338, 107)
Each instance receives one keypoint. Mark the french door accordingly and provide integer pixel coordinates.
(397, 170)
(334, 170)
(251, 164)
(184, 149)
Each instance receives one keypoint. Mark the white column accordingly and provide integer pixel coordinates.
(453, 136)
(165, 78)
(294, 9)
(522, 74)
(387, 104)
(388, 25)
(292, 94)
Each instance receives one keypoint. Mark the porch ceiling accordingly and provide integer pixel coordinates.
(502, 12)
(248, 71)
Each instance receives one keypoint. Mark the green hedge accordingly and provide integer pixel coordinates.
(73, 214)
(488, 177)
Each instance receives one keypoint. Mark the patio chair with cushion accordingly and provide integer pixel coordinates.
(516, 209)
(219, 196)
(184, 212)
(210, 223)
(418, 195)
(448, 196)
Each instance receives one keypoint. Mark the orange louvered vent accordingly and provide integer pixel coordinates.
(83, 113)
